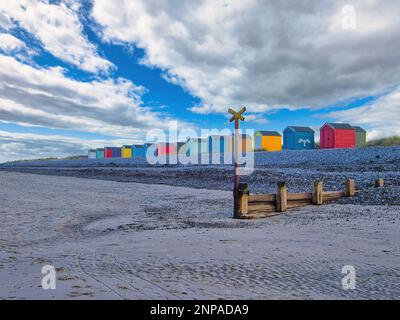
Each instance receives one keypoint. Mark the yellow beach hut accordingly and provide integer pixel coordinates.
(268, 141)
(126, 152)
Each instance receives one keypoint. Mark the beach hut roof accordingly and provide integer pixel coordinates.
(343, 126)
(358, 129)
(269, 133)
(301, 129)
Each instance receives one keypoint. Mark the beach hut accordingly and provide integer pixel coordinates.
(117, 152)
(126, 152)
(181, 147)
(92, 154)
(220, 144)
(147, 146)
(268, 141)
(361, 136)
(165, 149)
(139, 150)
(298, 138)
(196, 146)
(337, 135)
(108, 152)
(100, 153)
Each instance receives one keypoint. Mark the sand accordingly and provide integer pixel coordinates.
(113, 240)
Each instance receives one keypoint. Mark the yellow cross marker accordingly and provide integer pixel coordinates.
(237, 115)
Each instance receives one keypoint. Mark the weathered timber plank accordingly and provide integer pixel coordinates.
(262, 197)
(379, 183)
(281, 197)
(260, 206)
(350, 188)
(300, 196)
(317, 193)
(298, 203)
(243, 194)
(333, 195)
(259, 214)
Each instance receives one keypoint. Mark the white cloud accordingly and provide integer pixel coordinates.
(46, 97)
(9, 43)
(256, 118)
(58, 28)
(31, 95)
(262, 54)
(382, 116)
(5, 22)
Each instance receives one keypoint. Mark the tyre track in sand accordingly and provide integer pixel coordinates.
(154, 285)
(118, 280)
(95, 277)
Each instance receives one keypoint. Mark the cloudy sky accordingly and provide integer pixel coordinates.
(79, 74)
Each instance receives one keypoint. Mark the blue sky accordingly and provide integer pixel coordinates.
(84, 74)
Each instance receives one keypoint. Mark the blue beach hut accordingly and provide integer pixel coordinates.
(220, 144)
(117, 152)
(298, 138)
(99, 153)
(139, 150)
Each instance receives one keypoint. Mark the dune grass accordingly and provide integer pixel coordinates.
(388, 141)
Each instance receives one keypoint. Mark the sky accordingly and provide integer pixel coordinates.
(84, 74)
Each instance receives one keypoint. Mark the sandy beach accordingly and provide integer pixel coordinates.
(114, 240)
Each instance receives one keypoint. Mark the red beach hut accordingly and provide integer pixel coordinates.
(166, 149)
(108, 152)
(337, 135)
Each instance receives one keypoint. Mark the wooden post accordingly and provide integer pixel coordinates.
(281, 197)
(236, 116)
(318, 193)
(236, 167)
(350, 188)
(379, 183)
(243, 199)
